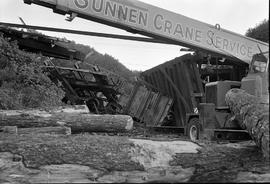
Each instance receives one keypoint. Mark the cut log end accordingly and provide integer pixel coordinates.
(252, 115)
(129, 125)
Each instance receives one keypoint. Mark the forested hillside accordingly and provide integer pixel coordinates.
(22, 82)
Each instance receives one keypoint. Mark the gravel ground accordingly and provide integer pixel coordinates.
(215, 162)
(223, 162)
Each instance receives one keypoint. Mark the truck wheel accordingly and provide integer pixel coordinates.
(193, 129)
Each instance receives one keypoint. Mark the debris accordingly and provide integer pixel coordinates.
(90, 86)
(180, 80)
(145, 105)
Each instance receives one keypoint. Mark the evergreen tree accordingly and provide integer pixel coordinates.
(260, 31)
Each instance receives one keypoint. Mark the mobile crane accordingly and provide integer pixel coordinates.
(172, 28)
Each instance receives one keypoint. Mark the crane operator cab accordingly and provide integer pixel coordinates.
(257, 81)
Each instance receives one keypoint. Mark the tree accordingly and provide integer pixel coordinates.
(260, 31)
(23, 84)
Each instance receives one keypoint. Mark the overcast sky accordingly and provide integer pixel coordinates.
(233, 15)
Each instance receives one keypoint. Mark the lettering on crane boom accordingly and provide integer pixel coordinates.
(192, 34)
(121, 10)
(163, 23)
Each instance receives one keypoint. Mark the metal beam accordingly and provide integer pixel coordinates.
(87, 33)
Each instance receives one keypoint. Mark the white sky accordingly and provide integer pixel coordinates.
(233, 15)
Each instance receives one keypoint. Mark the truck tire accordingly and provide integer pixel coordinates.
(193, 129)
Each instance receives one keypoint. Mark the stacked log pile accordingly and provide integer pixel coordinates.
(253, 115)
(77, 119)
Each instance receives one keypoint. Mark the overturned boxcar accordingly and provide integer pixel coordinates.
(179, 79)
(146, 105)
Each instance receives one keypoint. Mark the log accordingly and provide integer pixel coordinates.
(78, 122)
(81, 109)
(69, 109)
(253, 115)
(61, 130)
(9, 129)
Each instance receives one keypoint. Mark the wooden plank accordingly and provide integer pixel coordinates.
(150, 114)
(156, 109)
(135, 102)
(161, 110)
(147, 113)
(145, 106)
(131, 98)
(142, 102)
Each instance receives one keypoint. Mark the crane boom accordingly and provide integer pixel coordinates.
(138, 17)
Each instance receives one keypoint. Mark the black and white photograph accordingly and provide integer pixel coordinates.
(134, 91)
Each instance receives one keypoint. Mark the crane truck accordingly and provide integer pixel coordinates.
(140, 18)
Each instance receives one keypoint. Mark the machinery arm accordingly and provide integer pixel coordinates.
(138, 17)
(88, 33)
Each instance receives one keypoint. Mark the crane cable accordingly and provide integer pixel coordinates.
(88, 33)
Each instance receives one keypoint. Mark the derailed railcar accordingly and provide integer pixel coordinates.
(179, 79)
(199, 107)
(146, 105)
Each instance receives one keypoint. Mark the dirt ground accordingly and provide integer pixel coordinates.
(224, 163)
(108, 158)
